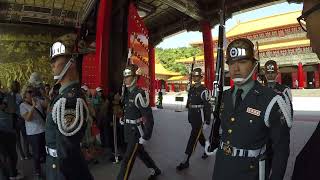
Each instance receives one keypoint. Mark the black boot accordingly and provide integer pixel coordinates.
(156, 172)
(182, 166)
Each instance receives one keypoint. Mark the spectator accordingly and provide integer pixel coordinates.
(32, 110)
(101, 108)
(87, 140)
(86, 91)
(14, 101)
(8, 153)
(98, 99)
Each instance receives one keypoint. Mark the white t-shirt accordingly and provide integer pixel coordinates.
(37, 124)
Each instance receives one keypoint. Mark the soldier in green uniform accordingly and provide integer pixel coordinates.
(251, 115)
(68, 114)
(160, 98)
(138, 125)
(198, 116)
(271, 74)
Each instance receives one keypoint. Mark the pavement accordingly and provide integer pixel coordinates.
(170, 135)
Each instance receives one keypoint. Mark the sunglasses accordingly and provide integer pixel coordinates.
(302, 19)
(30, 91)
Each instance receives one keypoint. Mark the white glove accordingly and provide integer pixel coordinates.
(188, 87)
(205, 126)
(121, 121)
(142, 141)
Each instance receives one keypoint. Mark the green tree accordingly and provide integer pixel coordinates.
(168, 57)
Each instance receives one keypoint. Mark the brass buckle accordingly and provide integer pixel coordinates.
(227, 150)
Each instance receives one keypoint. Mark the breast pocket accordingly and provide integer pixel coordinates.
(255, 124)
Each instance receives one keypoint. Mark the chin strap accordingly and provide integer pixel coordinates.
(272, 80)
(64, 70)
(132, 83)
(241, 81)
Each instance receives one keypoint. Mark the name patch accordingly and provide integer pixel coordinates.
(253, 111)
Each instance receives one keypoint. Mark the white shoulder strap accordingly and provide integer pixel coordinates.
(287, 97)
(283, 107)
(288, 92)
(205, 95)
(143, 101)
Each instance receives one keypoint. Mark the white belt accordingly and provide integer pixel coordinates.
(233, 151)
(51, 152)
(131, 121)
(196, 106)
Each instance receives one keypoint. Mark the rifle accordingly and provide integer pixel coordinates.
(115, 139)
(190, 77)
(127, 63)
(191, 70)
(258, 58)
(218, 84)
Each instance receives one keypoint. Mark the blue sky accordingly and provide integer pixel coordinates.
(183, 39)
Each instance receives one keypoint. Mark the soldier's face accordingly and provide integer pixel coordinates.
(271, 76)
(58, 64)
(313, 25)
(197, 78)
(240, 69)
(128, 80)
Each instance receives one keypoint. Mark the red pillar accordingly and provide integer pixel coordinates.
(166, 86)
(152, 75)
(172, 87)
(317, 77)
(208, 54)
(300, 76)
(102, 42)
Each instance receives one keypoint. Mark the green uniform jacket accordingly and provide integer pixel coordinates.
(198, 95)
(69, 163)
(249, 127)
(133, 110)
